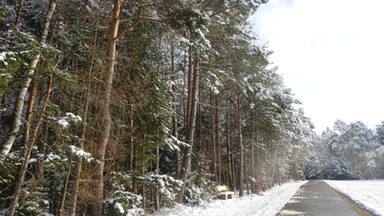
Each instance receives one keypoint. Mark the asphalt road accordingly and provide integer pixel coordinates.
(317, 198)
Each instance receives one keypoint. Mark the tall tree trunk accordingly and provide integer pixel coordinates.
(174, 99)
(132, 140)
(253, 149)
(217, 139)
(273, 178)
(194, 92)
(143, 194)
(28, 151)
(15, 127)
(79, 162)
(157, 198)
(229, 148)
(97, 206)
(240, 140)
(17, 18)
(65, 189)
(25, 143)
(188, 112)
(253, 165)
(28, 117)
(213, 125)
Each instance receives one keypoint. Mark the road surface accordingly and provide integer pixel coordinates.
(317, 198)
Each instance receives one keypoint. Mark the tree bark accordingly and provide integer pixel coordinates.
(253, 168)
(213, 125)
(157, 195)
(188, 112)
(15, 127)
(79, 162)
(217, 139)
(186, 165)
(28, 151)
(97, 206)
(132, 140)
(28, 117)
(240, 140)
(65, 190)
(17, 18)
(174, 99)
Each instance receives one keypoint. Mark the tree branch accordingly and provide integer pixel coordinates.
(135, 24)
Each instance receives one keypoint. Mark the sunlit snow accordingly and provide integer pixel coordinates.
(64, 120)
(369, 193)
(268, 203)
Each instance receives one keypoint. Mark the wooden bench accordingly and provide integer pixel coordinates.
(224, 193)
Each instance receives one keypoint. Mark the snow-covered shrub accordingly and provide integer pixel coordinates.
(65, 121)
(261, 181)
(194, 195)
(34, 200)
(199, 188)
(121, 201)
(165, 185)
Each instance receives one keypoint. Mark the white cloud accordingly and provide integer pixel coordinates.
(330, 53)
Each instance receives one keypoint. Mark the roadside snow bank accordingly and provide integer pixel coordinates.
(367, 193)
(267, 204)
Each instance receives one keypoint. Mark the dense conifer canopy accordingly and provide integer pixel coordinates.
(175, 101)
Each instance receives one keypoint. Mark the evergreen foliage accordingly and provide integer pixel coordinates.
(349, 151)
(188, 85)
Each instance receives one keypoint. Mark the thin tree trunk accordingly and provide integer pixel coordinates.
(246, 170)
(186, 167)
(233, 165)
(143, 194)
(25, 143)
(28, 117)
(185, 82)
(229, 149)
(190, 87)
(214, 140)
(15, 127)
(75, 191)
(174, 99)
(131, 125)
(253, 164)
(28, 151)
(204, 151)
(62, 205)
(17, 18)
(157, 198)
(217, 139)
(240, 140)
(253, 167)
(273, 180)
(97, 206)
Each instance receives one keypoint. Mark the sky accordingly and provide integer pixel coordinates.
(330, 53)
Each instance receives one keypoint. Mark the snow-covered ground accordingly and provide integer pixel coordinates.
(267, 204)
(369, 193)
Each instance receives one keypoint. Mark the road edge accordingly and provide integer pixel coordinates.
(359, 209)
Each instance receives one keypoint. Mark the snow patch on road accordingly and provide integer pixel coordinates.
(291, 212)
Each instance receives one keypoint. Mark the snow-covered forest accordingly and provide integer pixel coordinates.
(125, 107)
(348, 151)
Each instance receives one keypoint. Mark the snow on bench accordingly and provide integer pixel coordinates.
(224, 193)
